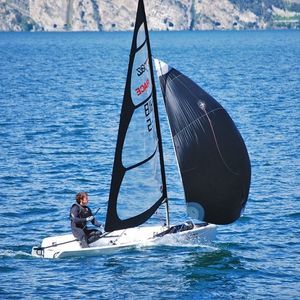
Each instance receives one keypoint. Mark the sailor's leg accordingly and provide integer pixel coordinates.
(81, 236)
(84, 242)
(93, 235)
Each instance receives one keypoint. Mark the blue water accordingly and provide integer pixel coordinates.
(60, 98)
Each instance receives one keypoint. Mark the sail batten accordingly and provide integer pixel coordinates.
(145, 101)
(141, 46)
(142, 162)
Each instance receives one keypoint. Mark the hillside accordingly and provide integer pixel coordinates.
(116, 15)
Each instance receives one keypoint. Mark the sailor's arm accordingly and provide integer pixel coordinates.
(94, 221)
(75, 216)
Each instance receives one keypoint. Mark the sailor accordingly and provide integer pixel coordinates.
(80, 215)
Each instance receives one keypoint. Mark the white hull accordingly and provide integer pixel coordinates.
(66, 246)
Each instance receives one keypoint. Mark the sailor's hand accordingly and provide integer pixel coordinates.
(90, 218)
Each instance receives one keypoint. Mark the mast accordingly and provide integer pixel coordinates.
(159, 136)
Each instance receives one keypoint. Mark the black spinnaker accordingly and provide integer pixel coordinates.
(212, 157)
(138, 185)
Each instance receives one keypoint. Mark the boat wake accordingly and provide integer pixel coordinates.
(13, 254)
(179, 241)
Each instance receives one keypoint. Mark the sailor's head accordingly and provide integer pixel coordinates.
(82, 198)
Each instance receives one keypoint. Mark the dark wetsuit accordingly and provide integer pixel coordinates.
(78, 215)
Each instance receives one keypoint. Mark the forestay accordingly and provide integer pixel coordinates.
(212, 157)
(138, 185)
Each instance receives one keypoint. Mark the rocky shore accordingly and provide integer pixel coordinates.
(119, 15)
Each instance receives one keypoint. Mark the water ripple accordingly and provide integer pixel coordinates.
(60, 99)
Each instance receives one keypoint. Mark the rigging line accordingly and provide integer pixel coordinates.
(198, 119)
(202, 107)
(142, 162)
(144, 101)
(215, 138)
(162, 76)
(169, 87)
(175, 77)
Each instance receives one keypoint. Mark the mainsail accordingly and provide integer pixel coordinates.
(138, 185)
(212, 157)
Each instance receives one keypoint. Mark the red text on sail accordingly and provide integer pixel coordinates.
(143, 87)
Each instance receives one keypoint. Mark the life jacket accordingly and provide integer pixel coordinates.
(83, 212)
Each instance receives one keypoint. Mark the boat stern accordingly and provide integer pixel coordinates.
(37, 251)
(51, 247)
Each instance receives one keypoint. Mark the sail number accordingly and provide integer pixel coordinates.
(148, 108)
(142, 68)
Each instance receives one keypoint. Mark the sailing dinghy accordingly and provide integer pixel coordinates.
(212, 159)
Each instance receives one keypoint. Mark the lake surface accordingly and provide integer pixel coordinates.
(60, 99)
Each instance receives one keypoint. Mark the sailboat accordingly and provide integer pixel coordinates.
(211, 154)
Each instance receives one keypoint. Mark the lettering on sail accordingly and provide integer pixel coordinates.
(143, 87)
(148, 108)
(142, 68)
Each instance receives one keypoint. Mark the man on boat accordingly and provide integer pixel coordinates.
(80, 215)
